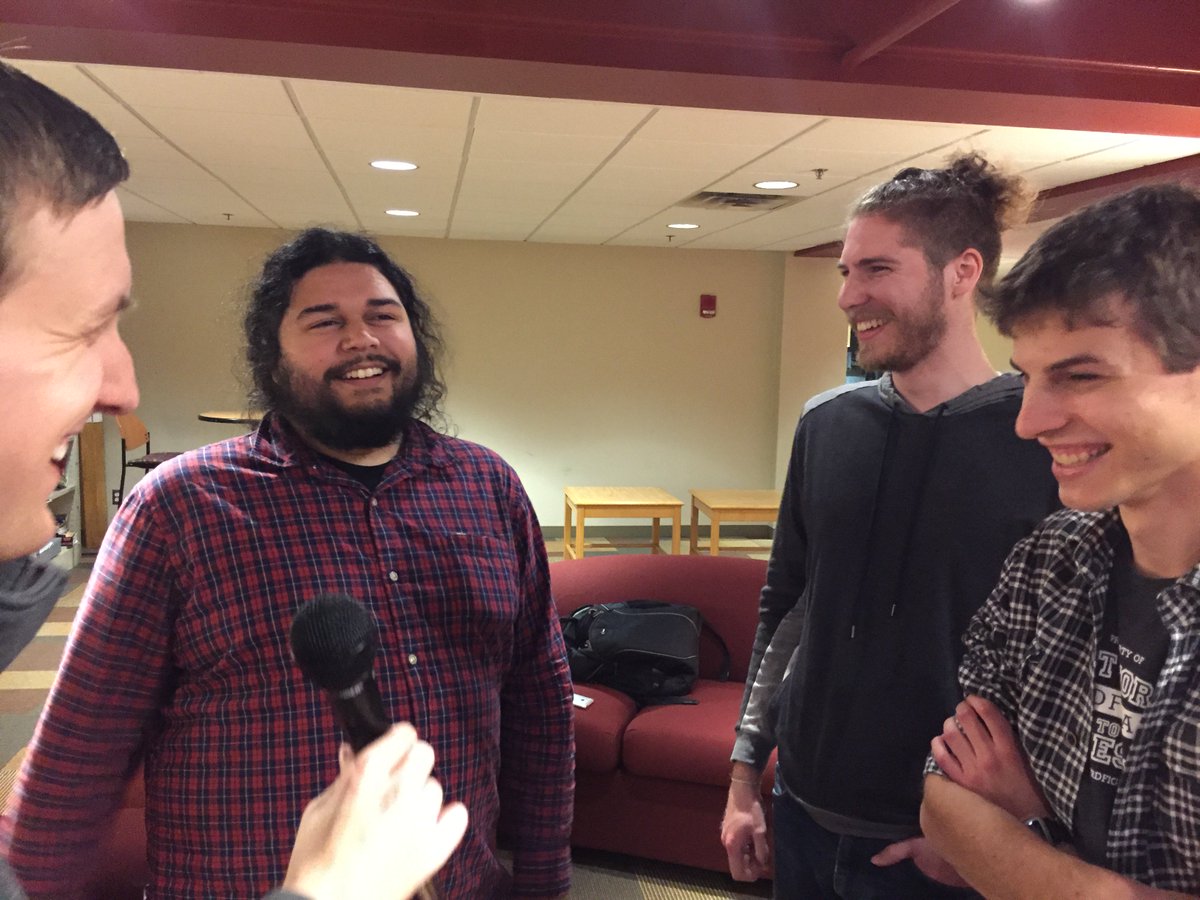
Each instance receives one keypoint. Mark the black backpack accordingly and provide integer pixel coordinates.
(647, 649)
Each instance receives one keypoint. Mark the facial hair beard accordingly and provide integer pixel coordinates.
(312, 407)
(917, 333)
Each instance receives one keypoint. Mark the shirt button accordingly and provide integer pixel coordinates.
(374, 502)
(412, 659)
(394, 575)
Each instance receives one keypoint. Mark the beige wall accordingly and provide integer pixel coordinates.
(580, 365)
(813, 345)
(997, 347)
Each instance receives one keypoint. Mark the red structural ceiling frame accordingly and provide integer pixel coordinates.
(1105, 65)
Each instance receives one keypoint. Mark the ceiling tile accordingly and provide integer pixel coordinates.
(538, 169)
(358, 143)
(367, 104)
(530, 115)
(713, 158)
(534, 149)
(180, 89)
(138, 209)
(698, 126)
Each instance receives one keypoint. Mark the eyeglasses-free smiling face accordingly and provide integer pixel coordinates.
(892, 297)
(1121, 430)
(348, 358)
(61, 358)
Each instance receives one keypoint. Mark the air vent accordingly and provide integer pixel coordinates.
(723, 200)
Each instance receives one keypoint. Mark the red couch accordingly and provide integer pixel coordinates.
(653, 783)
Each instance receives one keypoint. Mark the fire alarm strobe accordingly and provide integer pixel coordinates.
(708, 306)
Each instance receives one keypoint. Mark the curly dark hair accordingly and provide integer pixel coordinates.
(1141, 247)
(969, 203)
(271, 293)
(51, 152)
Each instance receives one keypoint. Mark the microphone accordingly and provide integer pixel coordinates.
(334, 640)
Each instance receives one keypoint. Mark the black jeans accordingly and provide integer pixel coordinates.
(814, 864)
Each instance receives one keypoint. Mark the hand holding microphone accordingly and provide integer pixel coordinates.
(381, 829)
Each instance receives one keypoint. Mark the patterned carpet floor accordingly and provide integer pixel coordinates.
(609, 876)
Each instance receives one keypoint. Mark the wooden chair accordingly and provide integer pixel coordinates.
(134, 435)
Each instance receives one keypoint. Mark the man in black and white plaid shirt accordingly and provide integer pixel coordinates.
(1072, 769)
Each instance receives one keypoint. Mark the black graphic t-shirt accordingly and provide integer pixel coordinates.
(1131, 652)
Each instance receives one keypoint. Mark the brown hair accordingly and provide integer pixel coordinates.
(52, 153)
(1141, 247)
(969, 203)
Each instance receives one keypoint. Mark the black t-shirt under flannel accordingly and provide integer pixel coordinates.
(1130, 654)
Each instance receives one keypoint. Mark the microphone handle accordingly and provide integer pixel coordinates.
(359, 710)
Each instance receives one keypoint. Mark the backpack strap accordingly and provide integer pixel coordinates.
(723, 672)
(575, 626)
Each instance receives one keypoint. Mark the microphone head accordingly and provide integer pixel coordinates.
(334, 639)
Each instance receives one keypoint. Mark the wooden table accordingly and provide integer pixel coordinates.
(619, 503)
(231, 416)
(729, 506)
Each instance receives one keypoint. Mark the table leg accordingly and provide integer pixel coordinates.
(714, 533)
(580, 515)
(693, 537)
(567, 549)
(676, 527)
(655, 536)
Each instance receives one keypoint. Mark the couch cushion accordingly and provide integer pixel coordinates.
(600, 728)
(686, 743)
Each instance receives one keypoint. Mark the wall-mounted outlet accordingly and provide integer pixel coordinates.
(116, 498)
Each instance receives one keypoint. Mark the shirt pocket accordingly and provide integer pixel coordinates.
(468, 587)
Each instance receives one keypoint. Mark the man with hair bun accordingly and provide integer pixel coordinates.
(903, 496)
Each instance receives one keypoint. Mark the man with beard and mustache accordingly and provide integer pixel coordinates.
(181, 654)
(903, 497)
(1070, 768)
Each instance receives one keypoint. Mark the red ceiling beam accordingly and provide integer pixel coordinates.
(832, 250)
(1137, 74)
(873, 46)
(1065, 199)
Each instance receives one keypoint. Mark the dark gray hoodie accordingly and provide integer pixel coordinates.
(892, 531)
(28, 591)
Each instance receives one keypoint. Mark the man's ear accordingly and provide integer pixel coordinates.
(965, 271)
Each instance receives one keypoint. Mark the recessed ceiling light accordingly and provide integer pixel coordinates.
(402, 212)
(775, 185)
(393, 165)
(684, 225)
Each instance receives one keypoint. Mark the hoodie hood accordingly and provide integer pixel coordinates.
(28, 591)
